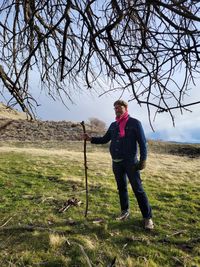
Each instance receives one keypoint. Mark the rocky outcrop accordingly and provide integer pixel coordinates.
(23, 130)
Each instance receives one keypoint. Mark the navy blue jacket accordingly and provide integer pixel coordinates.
(125, 147)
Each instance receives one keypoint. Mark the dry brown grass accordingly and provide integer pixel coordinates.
(12, 114)
(56, 240)
(174, 168)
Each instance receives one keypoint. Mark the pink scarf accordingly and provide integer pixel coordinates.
(122, 120)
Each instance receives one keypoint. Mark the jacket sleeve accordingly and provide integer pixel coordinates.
(141, 139)
(102, 140)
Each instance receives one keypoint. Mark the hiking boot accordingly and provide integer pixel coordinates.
(148, 224)
(123, 216)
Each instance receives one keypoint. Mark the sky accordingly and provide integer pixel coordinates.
(85, 106)
(187, 125)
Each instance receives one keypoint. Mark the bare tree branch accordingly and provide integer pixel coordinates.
(138, 45)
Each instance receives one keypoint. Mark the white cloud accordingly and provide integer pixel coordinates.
(87, 106)
(187, 126)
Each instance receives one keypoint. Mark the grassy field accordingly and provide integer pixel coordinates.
(36, 180)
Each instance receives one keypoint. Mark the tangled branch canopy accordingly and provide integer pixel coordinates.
(149, 47)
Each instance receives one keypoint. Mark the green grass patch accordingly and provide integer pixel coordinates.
(35, 182)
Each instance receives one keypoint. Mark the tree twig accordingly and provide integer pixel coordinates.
(112, 264)
(4, 224)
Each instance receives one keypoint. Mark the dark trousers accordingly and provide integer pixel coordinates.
(125, 169)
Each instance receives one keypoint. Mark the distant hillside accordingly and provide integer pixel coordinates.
(15, 127)
(37, 131)
(10, 113)
(189, 150)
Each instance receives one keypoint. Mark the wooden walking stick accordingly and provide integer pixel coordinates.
(85, 165)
